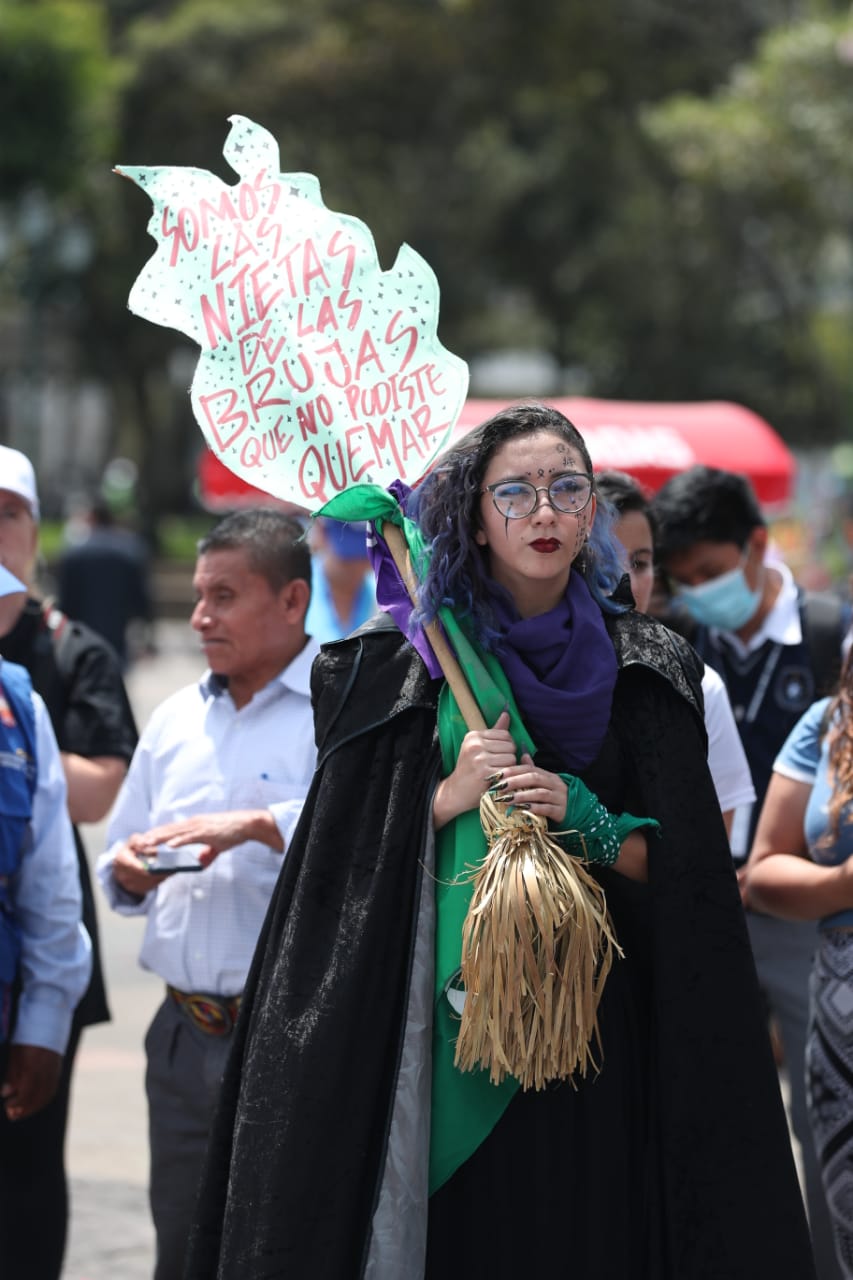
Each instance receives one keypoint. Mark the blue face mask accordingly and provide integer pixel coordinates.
(727, 602)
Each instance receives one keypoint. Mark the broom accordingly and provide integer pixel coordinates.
(537, 942)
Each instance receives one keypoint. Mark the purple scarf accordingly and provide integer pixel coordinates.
(562, 669)
(561, 665)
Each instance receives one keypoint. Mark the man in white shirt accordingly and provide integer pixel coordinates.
(633, 527)
(777, 649)
(197, 836)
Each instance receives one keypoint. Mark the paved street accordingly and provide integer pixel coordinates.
(111, 1236)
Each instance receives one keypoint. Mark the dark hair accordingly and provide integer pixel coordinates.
(447, 508)
(274, 542)
(704, 504)
(622, 493)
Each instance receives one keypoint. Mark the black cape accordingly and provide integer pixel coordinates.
(300, 1149)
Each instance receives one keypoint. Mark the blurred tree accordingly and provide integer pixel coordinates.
(501, 141)
(764, 201)
(603, 181)
(53, 73)
(54, 97)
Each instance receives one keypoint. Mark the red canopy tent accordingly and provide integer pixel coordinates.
(655, 441)
(650, 441)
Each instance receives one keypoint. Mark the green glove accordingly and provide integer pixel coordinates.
(592, 832)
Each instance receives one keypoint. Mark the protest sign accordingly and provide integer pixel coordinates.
(321, 380)
(318, 370)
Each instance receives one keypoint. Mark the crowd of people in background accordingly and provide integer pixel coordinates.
(658, 652)
(640, 1169)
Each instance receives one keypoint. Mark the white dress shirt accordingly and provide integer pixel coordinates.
(783, 626)
(56, 954)
(726, 757)
(199, 754)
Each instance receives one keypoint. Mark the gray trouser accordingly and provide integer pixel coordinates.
(783, 951)
(182, 1081)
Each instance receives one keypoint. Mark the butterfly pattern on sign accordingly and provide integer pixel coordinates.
(318, 370)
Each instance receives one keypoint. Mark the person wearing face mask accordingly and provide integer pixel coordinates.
(777, 649)
(633, 527)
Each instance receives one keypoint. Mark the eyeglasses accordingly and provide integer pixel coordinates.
(516, 499)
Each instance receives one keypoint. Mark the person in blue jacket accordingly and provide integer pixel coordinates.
(45, 953)
(343, 592)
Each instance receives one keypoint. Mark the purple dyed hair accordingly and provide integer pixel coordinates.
(447, 506)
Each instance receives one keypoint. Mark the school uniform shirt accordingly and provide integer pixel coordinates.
(770, 684)
(726, 756)
(199, 754)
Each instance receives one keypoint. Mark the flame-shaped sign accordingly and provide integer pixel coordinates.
(318, 371)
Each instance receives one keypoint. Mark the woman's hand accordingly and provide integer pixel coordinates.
(535, 789)
(633, 860)
(484, 757)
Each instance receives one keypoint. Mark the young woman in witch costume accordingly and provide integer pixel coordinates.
(348, 1144)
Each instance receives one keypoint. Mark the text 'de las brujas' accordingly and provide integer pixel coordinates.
(319, 364)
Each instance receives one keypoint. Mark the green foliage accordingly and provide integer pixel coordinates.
(51, 539)
(765, 171)
(178, 536)
(53, 76)
(659, 195)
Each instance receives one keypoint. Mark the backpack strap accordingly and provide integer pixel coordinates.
(824, 621)
(56, 623)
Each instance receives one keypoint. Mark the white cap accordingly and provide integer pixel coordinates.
(9, 584)
(17, 475)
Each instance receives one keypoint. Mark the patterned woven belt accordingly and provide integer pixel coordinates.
(214, 1015)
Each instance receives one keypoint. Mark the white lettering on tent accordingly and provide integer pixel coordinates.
(628, 446)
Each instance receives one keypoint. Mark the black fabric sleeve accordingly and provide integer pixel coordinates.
(97, 718)
(725, 1163)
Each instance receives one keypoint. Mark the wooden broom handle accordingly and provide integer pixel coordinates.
(453, 673)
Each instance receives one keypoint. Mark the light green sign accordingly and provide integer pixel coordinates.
(318, 370)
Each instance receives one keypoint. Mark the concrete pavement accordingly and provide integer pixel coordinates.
(111, 1237)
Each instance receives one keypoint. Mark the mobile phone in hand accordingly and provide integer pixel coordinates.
(168, 861)
(155, 868)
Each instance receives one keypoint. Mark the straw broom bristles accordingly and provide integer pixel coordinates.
(537, 943)
(537, 946)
